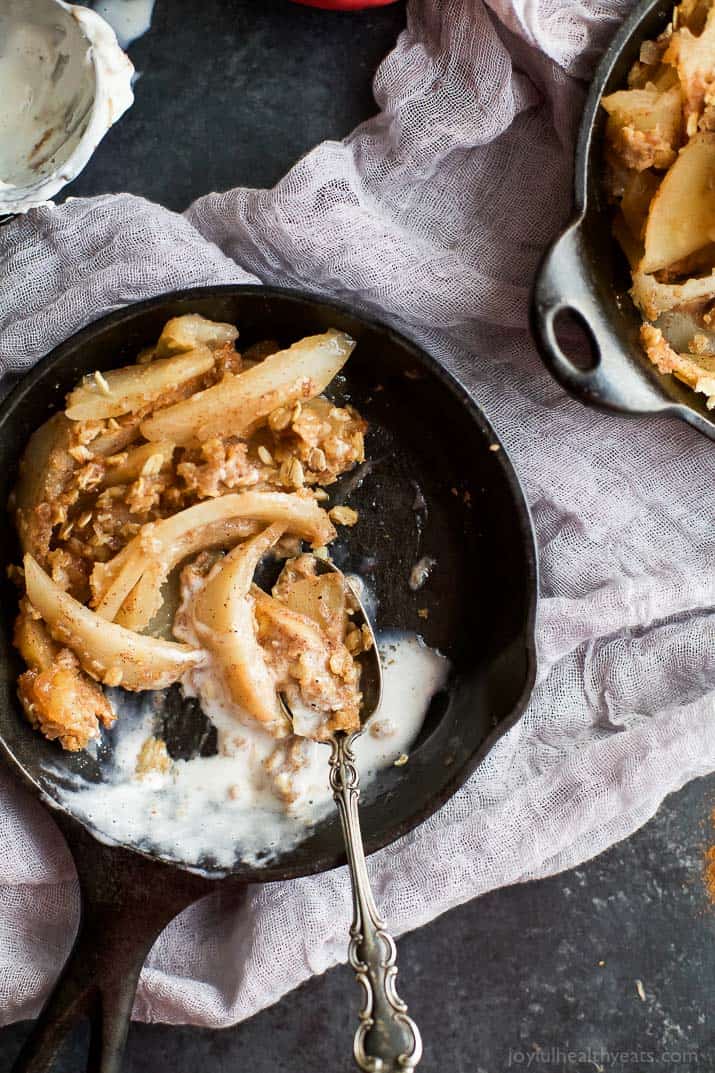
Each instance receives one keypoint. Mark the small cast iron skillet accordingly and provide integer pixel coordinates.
(585, 273)
(434, 488)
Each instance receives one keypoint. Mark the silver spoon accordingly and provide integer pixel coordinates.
(387, 1039)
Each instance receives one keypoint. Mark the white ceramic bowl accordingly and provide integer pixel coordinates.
(63, 82)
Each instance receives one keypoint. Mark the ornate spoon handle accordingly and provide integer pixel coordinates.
(387, 1040)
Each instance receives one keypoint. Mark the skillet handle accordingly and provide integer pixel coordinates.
(127, 900)
(616, 379)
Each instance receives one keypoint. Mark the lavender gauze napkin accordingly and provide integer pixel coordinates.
(432, 215)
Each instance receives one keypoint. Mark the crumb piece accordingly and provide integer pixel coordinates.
(641, 149)
(697, 374)
(353, 642)
(494, 447)
(339, 661)
(640, 990)
(700, 344)
(382, 728)
(401, 760)
(279, 419)
(341, 515)
(16, 574)
(292, 474)
(63, 703)
(317, 460)
(153, 465)
(423, 612)
(80, 453)
(420, 572)
(102, 384)
(153, 758)
(218, 466)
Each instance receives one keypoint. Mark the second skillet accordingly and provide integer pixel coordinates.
(426, 435)
(584, 271)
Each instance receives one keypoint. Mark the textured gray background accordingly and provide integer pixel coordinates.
(233, 92)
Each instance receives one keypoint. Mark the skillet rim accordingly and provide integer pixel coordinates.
(627, 30)
(270, 872)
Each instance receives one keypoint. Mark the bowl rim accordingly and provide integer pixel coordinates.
(112, 73)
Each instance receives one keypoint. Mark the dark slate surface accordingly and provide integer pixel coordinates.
(234, 92)
(530, 972)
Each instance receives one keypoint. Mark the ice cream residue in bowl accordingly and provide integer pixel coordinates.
(64, 81)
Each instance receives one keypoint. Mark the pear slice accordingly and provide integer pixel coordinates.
(160, 546)
(320, 598)
(106, 651)
(146, 459)
(224, 622)
(645, 125)
(56, 694)
(239, 403)
(681, 220)
(45, 470)
(693, 56)
(132, 388)
(192, 331)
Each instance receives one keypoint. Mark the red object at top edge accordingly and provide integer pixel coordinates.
(344, 5)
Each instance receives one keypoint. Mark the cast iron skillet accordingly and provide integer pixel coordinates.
(434, 487)
(584, 271)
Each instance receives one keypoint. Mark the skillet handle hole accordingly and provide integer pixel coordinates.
(576, 340)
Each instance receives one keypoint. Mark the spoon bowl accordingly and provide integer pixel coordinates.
(368, 658)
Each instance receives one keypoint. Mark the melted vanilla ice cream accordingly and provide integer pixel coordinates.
(226, 806)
